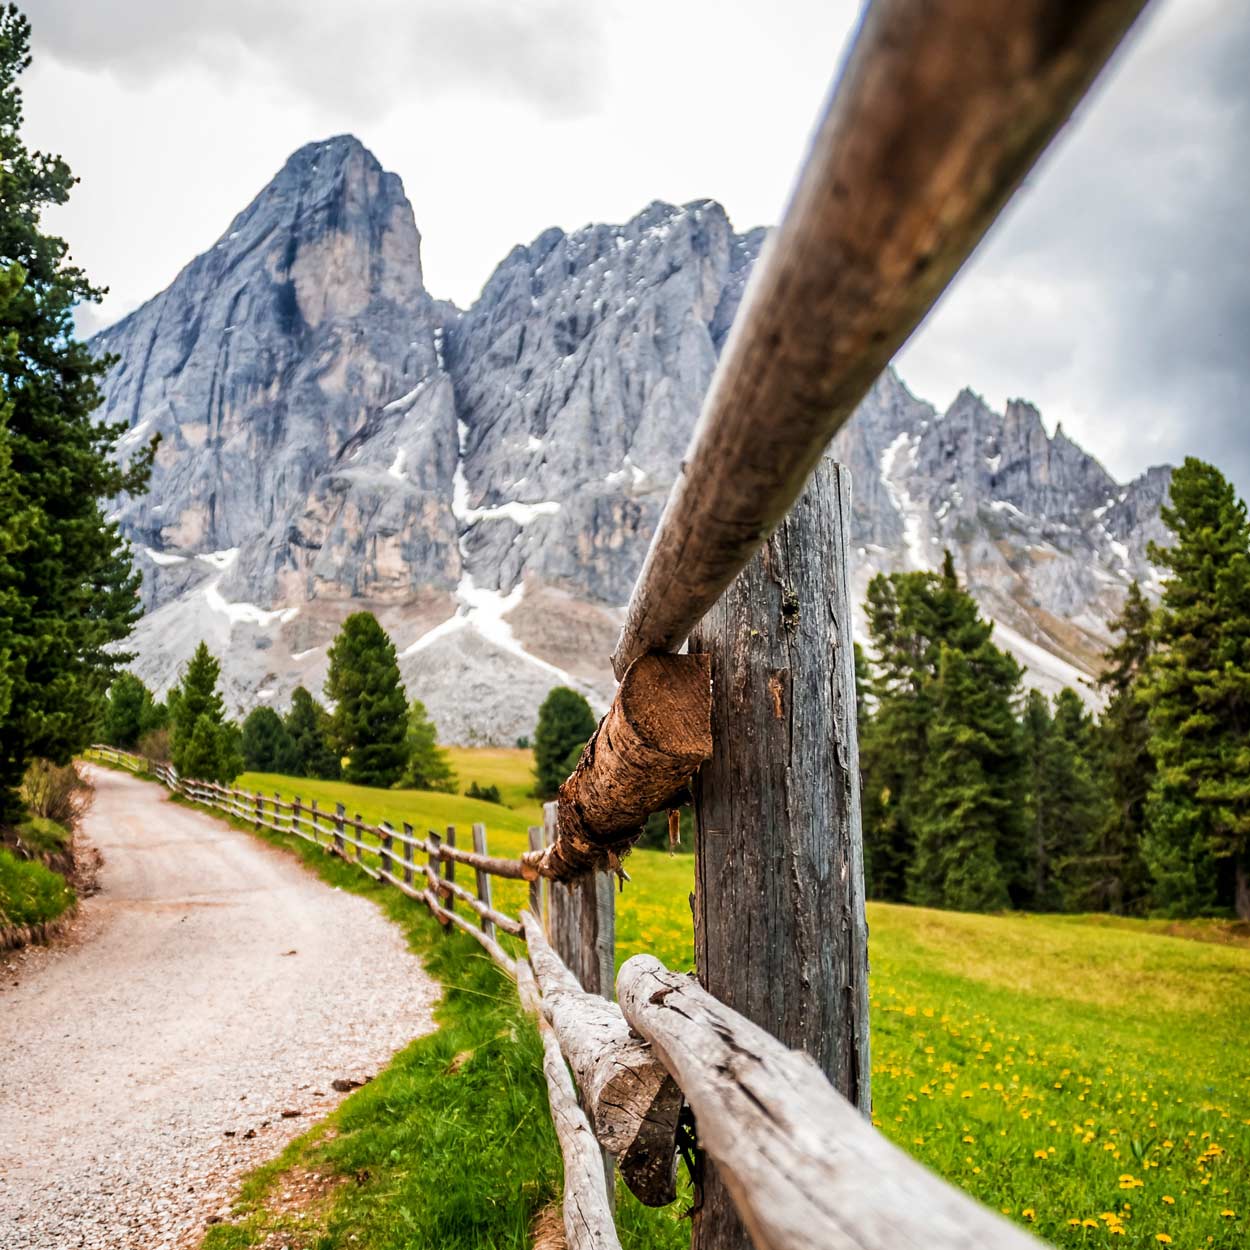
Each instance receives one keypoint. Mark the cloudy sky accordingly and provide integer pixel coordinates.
(1114, 293)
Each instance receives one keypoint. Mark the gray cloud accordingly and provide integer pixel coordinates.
(1120, 279)
(360, 57)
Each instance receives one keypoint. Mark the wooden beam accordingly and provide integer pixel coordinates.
(780, 933)
(588, 1222)
(630, 1098)
(940, 111)
(655, 734)
(805, 1170)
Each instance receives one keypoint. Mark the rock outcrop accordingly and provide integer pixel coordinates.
(487, 480)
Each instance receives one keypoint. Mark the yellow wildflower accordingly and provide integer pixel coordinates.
(1164, 1238)
(1169, 1200)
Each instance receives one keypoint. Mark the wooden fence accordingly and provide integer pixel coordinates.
(804, 1168)
(940, 111)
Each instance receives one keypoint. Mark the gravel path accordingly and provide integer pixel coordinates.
(146, 1062)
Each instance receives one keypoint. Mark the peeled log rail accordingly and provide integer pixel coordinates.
(940, 111)
(805, 1170)
(630, 1096)
(656, 733)
(588, 1222)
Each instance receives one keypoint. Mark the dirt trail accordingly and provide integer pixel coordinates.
(210, 986)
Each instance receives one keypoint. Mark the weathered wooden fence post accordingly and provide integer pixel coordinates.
(260, 809)
(582, 921)
(295, 815)
(385, 857)
(483, 878)
(536, 886)
(449, 867)
(407, 853)
(581, 917)
(340, 812)
(360, 839)
(780, 934)
(432, 875)
(313, 820)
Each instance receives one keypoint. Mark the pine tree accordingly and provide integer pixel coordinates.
(428, 765)
(203, 745)
(862, 678)
(308, 727)
(1069, 807)
(1113, 877)
(910, 617)
(1038, 736)
(968, 827)
(564, 721)
(68, 590)
(266, 745)
(123, 720)
(370, 720)
(1197, 692)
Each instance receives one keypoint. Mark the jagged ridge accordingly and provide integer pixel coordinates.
(487, 480)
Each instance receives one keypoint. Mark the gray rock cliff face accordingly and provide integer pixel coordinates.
(487, 480)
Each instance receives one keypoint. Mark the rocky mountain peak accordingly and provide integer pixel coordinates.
(486, 480)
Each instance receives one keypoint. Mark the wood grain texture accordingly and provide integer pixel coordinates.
(628, 1095)
(805, 1169)
(780, 932)
(588, 1220)
(939, 112)
(655, 734)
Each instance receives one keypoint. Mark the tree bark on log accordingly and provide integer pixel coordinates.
(803, 1166)
(655, 734)
(588, 1222)
(940, 110)
(630, 1097)
(780, 933)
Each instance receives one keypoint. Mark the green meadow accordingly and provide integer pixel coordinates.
(1088, 1076)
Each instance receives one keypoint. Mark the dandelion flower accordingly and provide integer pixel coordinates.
(1164, 1238)
(1169, 1200)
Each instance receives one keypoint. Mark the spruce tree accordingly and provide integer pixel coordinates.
(369, 724)
(564, 721)
(203, 746)
(910, 617)
(428, 765)
(1113, 877)
(1070, 808)
(1038, 736)
(67, 589)
(1197, 692)
(308, 727)
(122, 723)
(265, 744)
(968, 826)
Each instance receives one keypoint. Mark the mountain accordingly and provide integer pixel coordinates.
(486, 480)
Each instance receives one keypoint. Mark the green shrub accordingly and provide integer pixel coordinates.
(29, 892)
(488, 794)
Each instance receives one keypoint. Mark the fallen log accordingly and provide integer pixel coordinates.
(804, 1168)
(655, 734)
(630, 1097)
(940, 110)
(588, 1222)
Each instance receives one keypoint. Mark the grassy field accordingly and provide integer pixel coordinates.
(1088, 1076)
